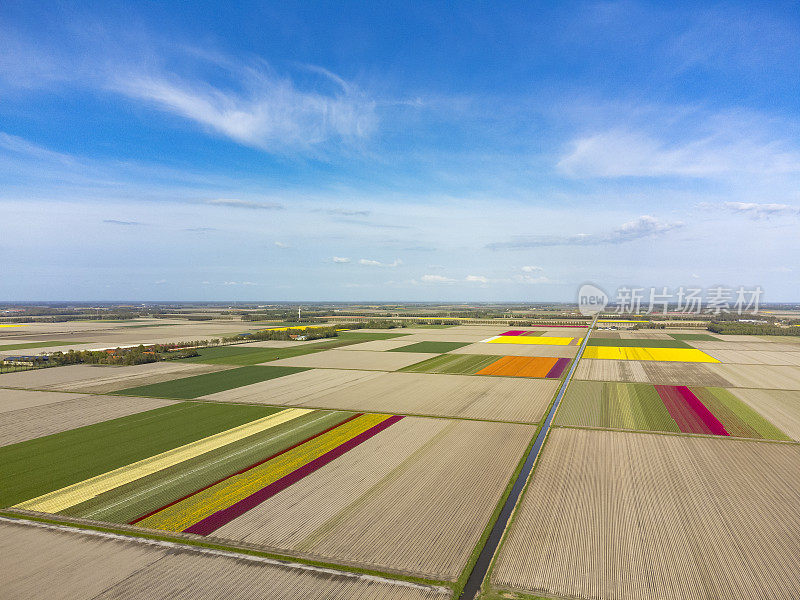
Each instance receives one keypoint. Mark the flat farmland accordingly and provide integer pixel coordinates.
(454, 364)
(431, 347)
(756, 357)
(43, 416)
(777, 377)
(646, 516)
(52, 564)
(12, 399)
(778, 406)
(381, 345)
(354, 359)
(209, 383)
(293, 389)
(753, 344)
(640, 406)
(651, 372)
(397, 501)
(527, 340)
(506, 399)
(692, 355)
(43, 465)
(519, 350)
(524, 366)
(102, 379)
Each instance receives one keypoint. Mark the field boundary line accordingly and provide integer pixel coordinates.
(177, 546)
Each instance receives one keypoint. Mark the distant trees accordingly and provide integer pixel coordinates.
(737, 328)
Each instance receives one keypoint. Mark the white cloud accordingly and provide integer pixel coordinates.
(281, 245)
(341, 259)
(643, 227)
(531, 269)
(757, 210)
(436, 279)
(160, 282)
(375, 263)
(476, 279)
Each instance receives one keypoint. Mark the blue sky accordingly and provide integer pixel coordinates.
(443, 151)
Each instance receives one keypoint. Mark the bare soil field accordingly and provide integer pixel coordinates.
(51, 564)
(11, 400)
(756, 357)
(293, 390)
(101, 379)
(495, 398)
(381, 345)
(397, 501)
(753, 345)
(643, 335)
(37, 421)
(353, 359)
(617, 515)
(782, 407)
(519, 350)
(666, 373)
(770, 377)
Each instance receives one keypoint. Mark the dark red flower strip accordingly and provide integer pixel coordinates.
(513, 332)
(239, 472)
(702, 412)
(557, 369)
(687, 419)
(226, 515)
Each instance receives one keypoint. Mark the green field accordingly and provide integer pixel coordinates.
(25, 345)
(614, 405)
(455, 364)
(209, 383)
(135, 499)
(34, 467)
(431, 347)
(366, 336)
(254, 355)
(694, 337)
(637, 343)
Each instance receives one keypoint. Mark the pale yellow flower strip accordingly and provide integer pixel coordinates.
(189, 511)
(525, 339)
(76, 493)
(657, 354)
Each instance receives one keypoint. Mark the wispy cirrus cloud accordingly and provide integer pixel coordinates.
(345, 212)
(118, 222)
(255, 106)
(246, 204)
(644, 227)
(761, 210)
(626, 153)
(340, 259)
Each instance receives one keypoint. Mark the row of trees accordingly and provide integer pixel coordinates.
(736, 328)
(120, 356)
